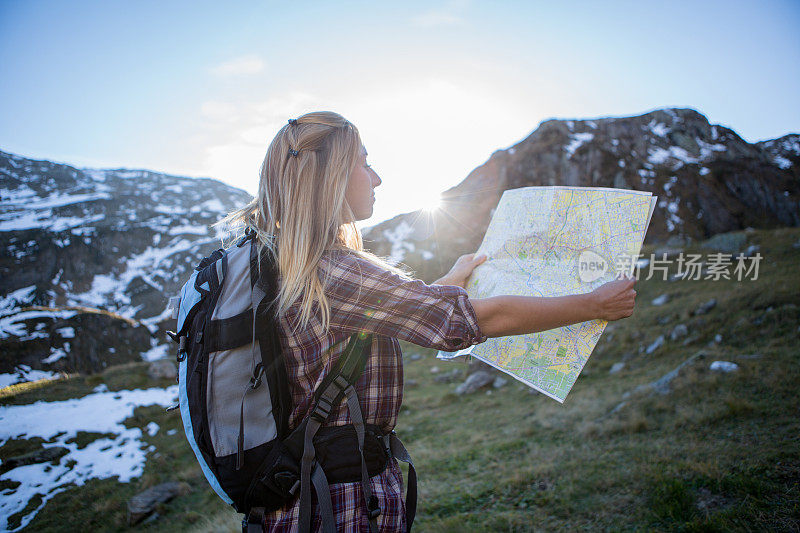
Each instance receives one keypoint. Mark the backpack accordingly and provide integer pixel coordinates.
(235, 403)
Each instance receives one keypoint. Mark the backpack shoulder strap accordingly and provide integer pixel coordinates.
(340, 382)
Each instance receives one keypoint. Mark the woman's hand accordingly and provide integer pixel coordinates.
(461, 271)
(615, 299)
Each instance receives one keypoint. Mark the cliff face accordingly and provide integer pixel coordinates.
(88, 259)
(708, 180)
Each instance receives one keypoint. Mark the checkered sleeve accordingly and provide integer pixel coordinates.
(366, 297)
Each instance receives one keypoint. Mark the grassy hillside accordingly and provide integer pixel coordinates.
(717, 452)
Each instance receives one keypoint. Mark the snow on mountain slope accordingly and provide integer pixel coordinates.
(98, 251)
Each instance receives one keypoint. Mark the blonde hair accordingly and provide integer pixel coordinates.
(300, 210)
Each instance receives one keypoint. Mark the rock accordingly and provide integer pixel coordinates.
(410, 383)
(145, 502)
(661, 300)
(43, 455)
(729, 243)
(476, 365)
(751, 250)
(655, 345)
(499, 381)
(667, 252)
(616, 367)
(661, 385)
(434, 370)
(717, 338)
(676, 241)
(448, 377)
(414, 357)
(474, 382)
(162, 369)
(796, 244)
(664, 320)
(678, 331)
(723, 366)
(706, 307)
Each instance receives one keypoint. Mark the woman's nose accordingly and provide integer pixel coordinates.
(376, 180)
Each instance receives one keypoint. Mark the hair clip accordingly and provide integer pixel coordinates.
(293, 121)
(294, 152)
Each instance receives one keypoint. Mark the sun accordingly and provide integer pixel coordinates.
(431, 203)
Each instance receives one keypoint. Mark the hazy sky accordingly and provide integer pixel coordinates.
(200, 88)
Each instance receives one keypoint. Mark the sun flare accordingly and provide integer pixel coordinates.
(430, 204)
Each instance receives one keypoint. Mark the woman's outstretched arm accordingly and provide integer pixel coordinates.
(499, 316)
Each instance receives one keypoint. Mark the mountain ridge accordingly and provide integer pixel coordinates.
(123, 240)
(709, 180)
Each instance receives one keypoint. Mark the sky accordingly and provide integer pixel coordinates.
(200, 88)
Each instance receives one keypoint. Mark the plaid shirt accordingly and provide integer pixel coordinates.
(366, 297)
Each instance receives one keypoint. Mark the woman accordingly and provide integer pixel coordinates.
(315, 185)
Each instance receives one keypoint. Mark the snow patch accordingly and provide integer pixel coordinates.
(67, 332)
(658, 128)
(56, 354)
(194, 230)
(15, 324)
(157, 351)
(782, 162)
(12, 301)
(397, 237)
(578, 139)
(122, 456)
(23, 374)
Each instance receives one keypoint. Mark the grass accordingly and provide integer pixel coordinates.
(719, 452)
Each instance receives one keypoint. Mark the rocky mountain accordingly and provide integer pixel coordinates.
(88, 259)
(707, 178)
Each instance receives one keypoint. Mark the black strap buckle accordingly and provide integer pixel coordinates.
(341, 382)
(386, 440)
(255, 380)
(321, 410)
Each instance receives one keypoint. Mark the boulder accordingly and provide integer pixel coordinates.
(729, 243)
(678, 331)
(656, 344)
(474, 382)
(751, 250)
(145, 502)
(616, 367)
(499, 381)
(723, 366)
(661, 300)
(162, 369)
(706, 307)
